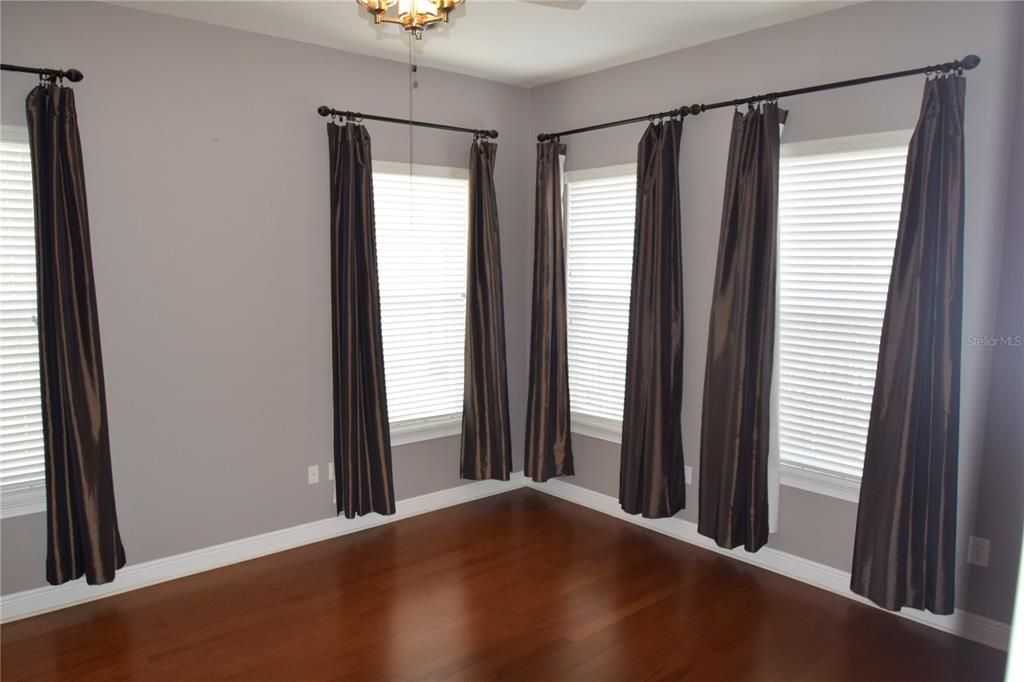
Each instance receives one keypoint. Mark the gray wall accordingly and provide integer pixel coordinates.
(1001, 472)
(846, 43)
(208, 195)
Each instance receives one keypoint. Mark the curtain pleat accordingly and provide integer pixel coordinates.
(486, 449)
(362, 440)
(651, 477)
(81, 515)
(548, 442)
(904, 551)
(736, 422)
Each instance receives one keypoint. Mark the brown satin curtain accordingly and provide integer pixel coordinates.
(362, 440)
(486, 437)
(904, 551)
(548, 443)
(651, 479)
(81, 517)
(736, 421)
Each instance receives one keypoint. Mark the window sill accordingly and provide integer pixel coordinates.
(22, 502)
(403, 433)
(596, 427)
(822, 484)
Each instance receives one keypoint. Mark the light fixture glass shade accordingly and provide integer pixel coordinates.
(417, 7)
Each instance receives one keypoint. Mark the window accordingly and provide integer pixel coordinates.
(600, 207)
(839, 208)
(422, 226)
(21, 424)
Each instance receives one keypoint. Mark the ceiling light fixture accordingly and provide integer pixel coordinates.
(412, 15)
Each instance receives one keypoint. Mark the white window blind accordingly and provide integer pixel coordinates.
(422, 225)
(21, 430)
(600, 214)
(839, 207)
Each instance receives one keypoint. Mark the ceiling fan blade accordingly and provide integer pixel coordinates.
(558, 4)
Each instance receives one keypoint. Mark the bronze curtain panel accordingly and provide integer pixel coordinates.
(486, 450)
(362, 440)
(548, 442)
(736, 419)
(81, 517)
(904, 551)
(651, 479)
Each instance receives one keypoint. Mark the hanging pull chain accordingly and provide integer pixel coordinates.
(412, 86)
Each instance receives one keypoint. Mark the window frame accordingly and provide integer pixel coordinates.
(30, 500)
(790, 475)
(444, 426)
(592, 426)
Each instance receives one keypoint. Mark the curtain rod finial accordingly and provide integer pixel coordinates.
(970, 61)
(74, 75)
(323, 110)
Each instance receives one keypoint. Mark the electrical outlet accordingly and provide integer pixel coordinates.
(314, 474)
(330, 471)
(977, 551)
(688, 474)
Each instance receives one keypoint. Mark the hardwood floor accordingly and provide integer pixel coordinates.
(521, 586)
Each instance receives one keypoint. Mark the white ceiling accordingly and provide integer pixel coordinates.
(514, 42)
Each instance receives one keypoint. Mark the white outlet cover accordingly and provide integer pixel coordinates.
(330, 471)
(314, 474)
(977, 551)
(688, 474)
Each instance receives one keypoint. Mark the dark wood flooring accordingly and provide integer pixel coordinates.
(521, 586)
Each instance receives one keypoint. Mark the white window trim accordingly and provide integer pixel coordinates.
(596, 427)
(403, 433)
(23, 501)
(792, 476)
(401, 168)
(30, 500)
(609, 430)
(585, 174)
(817, 482)
(14, 133)
(850, 143)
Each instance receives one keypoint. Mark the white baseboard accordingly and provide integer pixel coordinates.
(132, 577)
(41, 600)
(962, 623)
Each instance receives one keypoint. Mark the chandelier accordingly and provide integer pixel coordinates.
(413, 15)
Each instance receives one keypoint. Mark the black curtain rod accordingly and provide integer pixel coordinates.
(73, 75)
(965, 64)
(355, 115)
